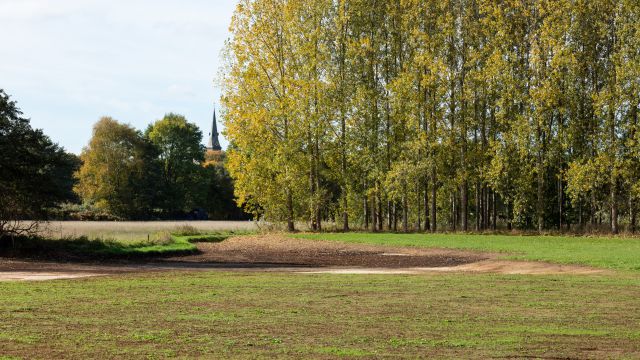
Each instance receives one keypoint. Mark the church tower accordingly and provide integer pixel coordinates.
(214, 143)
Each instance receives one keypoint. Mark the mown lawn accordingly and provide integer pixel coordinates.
(611, 253)
(262, 315)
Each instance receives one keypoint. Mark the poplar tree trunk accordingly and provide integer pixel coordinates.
(464, 189)
(434, 204)
(418, 208)
(614, 206)
(540, 195)
(380, 214)
(485, 208)
(632, 215)
(426, 205)
(405, 214)
(560, 201)
(345, 213)
(290, 223)
(366, 212)
(453, 212)
(343, 129)
(494, 224)
(614, 179)
(464, 206)
(395, 216)
(478, 207)
(392, 214)
(374, 217)
(312, 186)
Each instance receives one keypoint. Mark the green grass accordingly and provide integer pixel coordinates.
(611, 253)
(267, 315)
(161, 244)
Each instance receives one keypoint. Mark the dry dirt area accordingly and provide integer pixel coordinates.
(281, 254)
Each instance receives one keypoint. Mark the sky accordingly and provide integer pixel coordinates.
(68, 63)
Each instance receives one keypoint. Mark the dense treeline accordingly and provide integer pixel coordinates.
(163, 173)
(123, 173)
(436, 114)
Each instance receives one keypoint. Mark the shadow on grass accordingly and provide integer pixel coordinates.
(83, 248)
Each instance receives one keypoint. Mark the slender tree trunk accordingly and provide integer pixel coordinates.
(374, 217)
(433, 167)
(560, 200)
(390, 214)
(494, 224)
(434, 203)
(485, 208)
(454, 219)
(380, 214)
(290, 223)
(464, 206)
(614, 179)
(418, 208)
(345, 213)
(427, 227)
(594, 210)
(343, 128)
(614, 206)
(540, 195)
(312, 185)
(509, 216)
(632, 215)
(405, 213)
(366, 212)
(580, 221)
(464, 189)
(316, 166)
(457, 202)
(395, 216)
(478, 207)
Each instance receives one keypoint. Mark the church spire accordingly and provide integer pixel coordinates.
(214, 144)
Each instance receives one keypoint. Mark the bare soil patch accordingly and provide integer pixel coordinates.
(282, 254)
(281, 250)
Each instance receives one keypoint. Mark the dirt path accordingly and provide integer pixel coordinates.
(281, 254)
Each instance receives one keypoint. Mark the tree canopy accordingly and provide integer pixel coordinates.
(160, 174)
(428, 114)
(181, 155)
(117, 173)
(36, 174)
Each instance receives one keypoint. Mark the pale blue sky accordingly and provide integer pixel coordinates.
(69, 62)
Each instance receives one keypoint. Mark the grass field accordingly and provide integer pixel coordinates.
(160, 244)
(212, 314)
(253, 315)
(126, 239)
(610, 253)
(137, 231)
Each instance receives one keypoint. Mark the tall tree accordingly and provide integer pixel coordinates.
(36, 173)
(117, 173)
(181, 154)
(518, 113)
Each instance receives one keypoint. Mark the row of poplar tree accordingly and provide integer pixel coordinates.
(436, 114)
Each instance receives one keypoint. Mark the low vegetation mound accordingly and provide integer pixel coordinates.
(159, 244)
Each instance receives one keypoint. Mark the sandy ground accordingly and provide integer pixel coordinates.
(273, 253)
